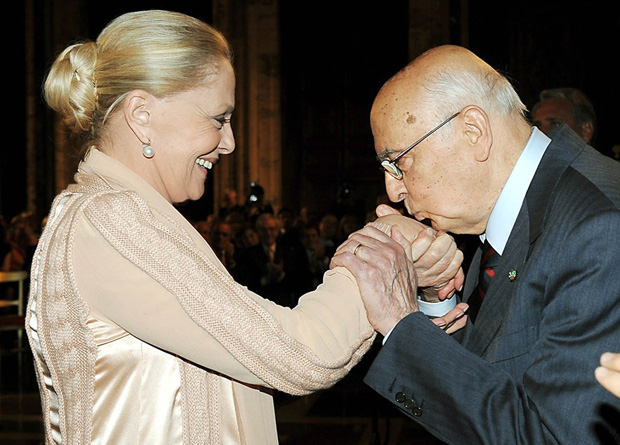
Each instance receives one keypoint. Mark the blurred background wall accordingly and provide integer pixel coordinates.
(307, 71)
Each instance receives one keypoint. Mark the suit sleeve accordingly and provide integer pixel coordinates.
(542, 388)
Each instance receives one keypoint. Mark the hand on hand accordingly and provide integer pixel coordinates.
(388, 269)
(436, 258)
(384, 274)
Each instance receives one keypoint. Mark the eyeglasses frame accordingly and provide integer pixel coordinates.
(389, 165)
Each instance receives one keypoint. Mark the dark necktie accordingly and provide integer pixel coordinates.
(488, 262)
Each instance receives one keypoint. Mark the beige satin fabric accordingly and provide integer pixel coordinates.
(137, 398)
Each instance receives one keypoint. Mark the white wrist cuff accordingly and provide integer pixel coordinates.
(432, 309)
(437, 309)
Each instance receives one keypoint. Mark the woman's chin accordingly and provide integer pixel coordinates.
(196, 196)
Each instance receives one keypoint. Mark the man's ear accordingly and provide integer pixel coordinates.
(587, 131)
(477, 131)
(137, 112)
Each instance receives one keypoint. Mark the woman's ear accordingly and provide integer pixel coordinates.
(478, 131)
(137, 113)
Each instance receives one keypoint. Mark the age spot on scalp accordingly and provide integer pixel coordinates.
(410, 119)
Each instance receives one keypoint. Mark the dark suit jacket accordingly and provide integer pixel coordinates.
(524, 373)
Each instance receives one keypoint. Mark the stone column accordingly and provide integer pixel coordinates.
(51, 163)
(252, 28)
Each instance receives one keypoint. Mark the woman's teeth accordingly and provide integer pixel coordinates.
(204, 163)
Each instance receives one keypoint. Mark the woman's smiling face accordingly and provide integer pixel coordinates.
(189, 131)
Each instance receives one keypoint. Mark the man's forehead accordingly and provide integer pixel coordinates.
(395, 105)
(393, 131)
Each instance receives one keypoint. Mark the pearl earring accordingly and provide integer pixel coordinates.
(148, 151)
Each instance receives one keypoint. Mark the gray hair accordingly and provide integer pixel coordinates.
(454, 88)
(583, 110)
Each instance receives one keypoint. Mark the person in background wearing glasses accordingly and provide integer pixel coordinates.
(522, 370)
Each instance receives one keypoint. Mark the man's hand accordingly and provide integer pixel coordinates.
(438, 265)
(608, 374)
(454, 320)
(436, 258)
(384, 274)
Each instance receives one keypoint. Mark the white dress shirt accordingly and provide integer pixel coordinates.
(506, 210)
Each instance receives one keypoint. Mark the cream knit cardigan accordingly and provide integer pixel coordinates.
(64, 349)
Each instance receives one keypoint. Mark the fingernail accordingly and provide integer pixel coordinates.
(606, 357)
(431, 232)
(602, 372)
(441, 324)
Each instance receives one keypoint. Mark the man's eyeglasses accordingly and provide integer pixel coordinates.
(389, 165)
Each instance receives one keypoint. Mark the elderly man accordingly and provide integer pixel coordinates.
(522, 370)
(568, 106)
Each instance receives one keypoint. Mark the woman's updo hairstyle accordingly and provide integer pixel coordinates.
(161, 52)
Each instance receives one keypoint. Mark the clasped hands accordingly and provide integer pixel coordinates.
(389, 269)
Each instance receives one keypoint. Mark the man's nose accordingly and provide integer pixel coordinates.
(395, 188)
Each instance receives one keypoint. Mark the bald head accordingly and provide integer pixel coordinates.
(441, 82)
(451, 169)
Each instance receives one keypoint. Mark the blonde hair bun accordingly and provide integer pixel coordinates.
(161, 52)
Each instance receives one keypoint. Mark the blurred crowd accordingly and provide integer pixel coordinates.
(278, 254)
(19, 236)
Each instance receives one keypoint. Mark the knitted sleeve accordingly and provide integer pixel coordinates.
(261, 339)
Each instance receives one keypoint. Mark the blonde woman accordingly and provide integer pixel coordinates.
(139, 333)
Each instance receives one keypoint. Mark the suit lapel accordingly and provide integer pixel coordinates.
(502, 287)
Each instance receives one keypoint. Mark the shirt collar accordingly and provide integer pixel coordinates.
(511, 198)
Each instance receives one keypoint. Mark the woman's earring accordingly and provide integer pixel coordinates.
(148, 151)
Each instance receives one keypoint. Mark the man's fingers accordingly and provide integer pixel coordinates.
(611, 360)
(440, 263)
(608, 374)
(459, 323)
(447, 290)
(459, 278)
(454, 320)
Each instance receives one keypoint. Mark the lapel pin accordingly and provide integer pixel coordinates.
(512, 275)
